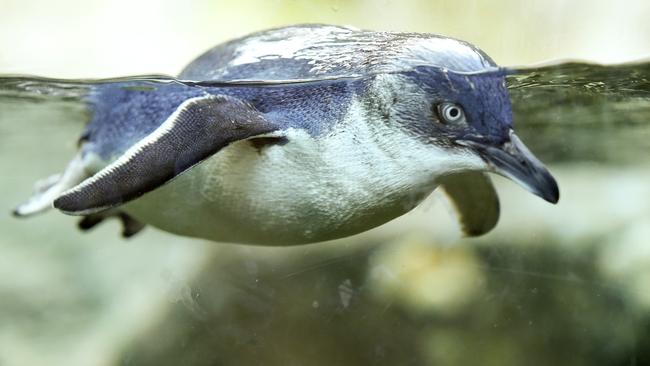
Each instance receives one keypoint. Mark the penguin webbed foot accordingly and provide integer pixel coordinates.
(130, 226)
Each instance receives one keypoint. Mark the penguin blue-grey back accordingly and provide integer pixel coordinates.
(297, 135)
(308, 52)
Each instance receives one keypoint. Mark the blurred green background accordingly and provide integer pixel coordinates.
(564, 285)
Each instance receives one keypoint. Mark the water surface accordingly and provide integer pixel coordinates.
(565, 285)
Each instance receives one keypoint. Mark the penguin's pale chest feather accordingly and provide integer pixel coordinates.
(307, 189)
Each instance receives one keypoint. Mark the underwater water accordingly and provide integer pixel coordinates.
(564, 285)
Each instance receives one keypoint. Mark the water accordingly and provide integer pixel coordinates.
(565, 284)
(581, 112)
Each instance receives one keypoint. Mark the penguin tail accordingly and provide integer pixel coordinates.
(48, 189)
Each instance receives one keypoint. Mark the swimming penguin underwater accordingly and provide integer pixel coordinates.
(298, 135)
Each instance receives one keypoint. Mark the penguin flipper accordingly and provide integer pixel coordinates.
(475, 200)
(199, 128)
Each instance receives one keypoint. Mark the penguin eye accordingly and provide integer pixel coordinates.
(451, 113)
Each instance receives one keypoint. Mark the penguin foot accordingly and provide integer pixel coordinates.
(130, 226)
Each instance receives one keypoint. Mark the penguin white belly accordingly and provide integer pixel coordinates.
(306, 190)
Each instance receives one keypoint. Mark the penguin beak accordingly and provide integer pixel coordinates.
(513, 160)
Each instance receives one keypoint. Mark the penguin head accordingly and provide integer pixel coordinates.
(468, 116)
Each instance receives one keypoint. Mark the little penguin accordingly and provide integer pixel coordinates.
(297, 135)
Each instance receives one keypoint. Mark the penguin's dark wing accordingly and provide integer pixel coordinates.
(199, 128)
(475, 200)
